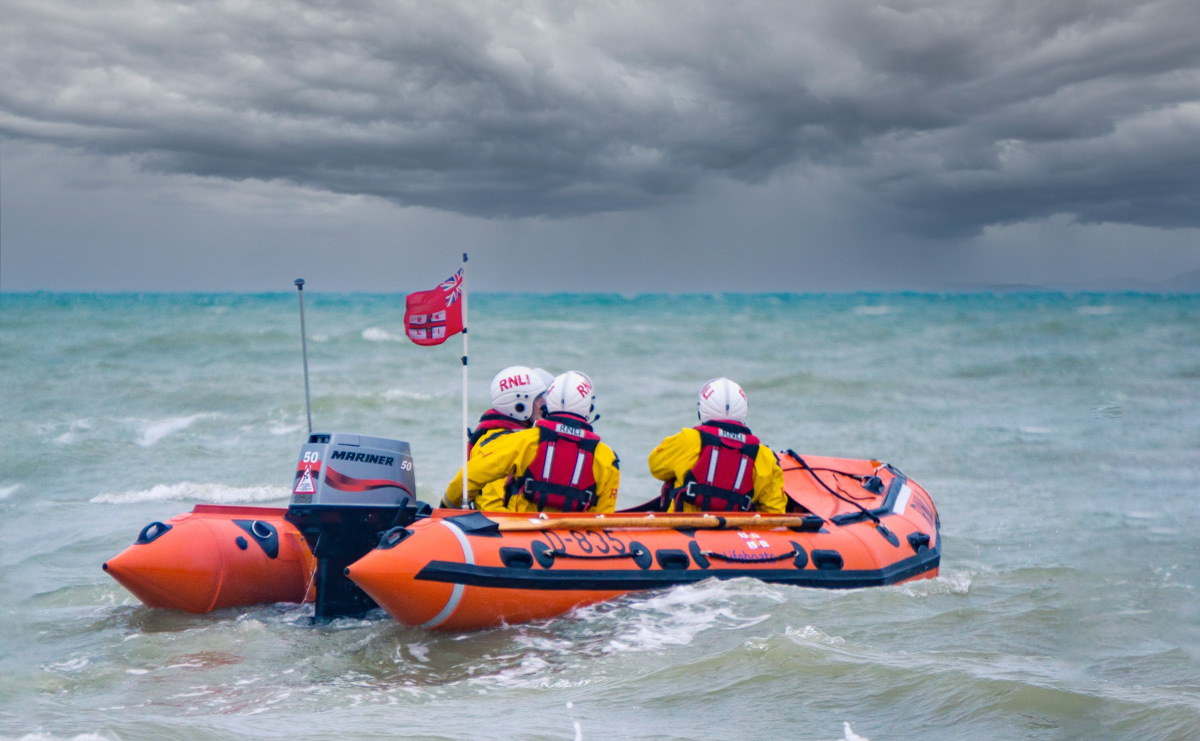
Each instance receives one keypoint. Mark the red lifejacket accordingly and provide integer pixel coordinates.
(560, 476)
(723, 478)
(493, 420)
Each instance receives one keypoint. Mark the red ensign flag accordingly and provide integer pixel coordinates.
(431, 317)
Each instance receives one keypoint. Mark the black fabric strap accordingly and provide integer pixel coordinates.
(573, 500)
(705, 496)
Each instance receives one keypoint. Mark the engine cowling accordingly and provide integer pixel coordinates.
(348, 489)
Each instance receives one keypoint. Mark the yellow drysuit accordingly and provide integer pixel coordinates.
(453, 495)
(511, 455)
(674, 458)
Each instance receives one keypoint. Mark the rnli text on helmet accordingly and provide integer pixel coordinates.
(514, 381)
(708, 391)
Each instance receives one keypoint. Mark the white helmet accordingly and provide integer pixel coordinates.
(514, 389)
(721, 398)
(546, 376)
(571, 393)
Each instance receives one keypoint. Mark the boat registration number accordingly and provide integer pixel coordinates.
(586, 542)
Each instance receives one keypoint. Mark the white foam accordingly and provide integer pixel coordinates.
(850, 735)
(80, 737)
(375, 334)
(285, 429)
(402, 395)
(565, 326)
(810, 634)
(1095, 310)
(72, 434)
(1132, 514)
(7, 491)
(956, 582)
(156, 431)
(697, 595)
(677, 616)
(71, 665)
(532, 673)
(188, 491)
(873, 310)
(419, 651)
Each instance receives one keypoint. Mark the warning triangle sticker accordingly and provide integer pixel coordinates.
(305, 485)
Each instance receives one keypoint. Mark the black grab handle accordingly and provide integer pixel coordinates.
(152, 532)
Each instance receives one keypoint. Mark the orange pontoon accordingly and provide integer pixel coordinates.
(852, 524)
(216, 556)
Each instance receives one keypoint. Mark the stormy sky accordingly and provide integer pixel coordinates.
(614, 146)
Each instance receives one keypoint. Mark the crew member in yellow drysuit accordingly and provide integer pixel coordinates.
(517, 402)
(719, 465)
(559, 465)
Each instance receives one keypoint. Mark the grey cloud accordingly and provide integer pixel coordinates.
(950, 116)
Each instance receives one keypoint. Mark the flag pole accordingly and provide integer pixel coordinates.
(466, 438)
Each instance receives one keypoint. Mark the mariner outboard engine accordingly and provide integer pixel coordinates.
(348, 489)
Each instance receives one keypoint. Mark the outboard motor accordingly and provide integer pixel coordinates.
(347, 490)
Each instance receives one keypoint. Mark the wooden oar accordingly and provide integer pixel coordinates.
(705, 522)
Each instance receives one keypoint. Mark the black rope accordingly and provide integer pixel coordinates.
(795, 456)
(834, 470)
(847, 474)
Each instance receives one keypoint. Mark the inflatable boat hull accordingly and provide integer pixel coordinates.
(458, 571)
(215, 557)
(850, 524)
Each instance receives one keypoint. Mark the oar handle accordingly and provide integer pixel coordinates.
(706, 522)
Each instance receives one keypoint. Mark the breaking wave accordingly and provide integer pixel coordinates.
(949, 582)
(809, 634)
(188, 491)
(850, 735)
(7, 491)
(155, 431)
(403, 395)
(375, 334)
(71, 436)
(79, 737)
(677, 616)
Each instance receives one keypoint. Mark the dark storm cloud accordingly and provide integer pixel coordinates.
(951, 116)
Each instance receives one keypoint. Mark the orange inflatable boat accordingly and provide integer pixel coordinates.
(353, 538)
(851, 524)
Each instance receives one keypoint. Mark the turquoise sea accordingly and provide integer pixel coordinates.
(1059, 435)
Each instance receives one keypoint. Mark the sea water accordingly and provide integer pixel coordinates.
(1059, 436)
